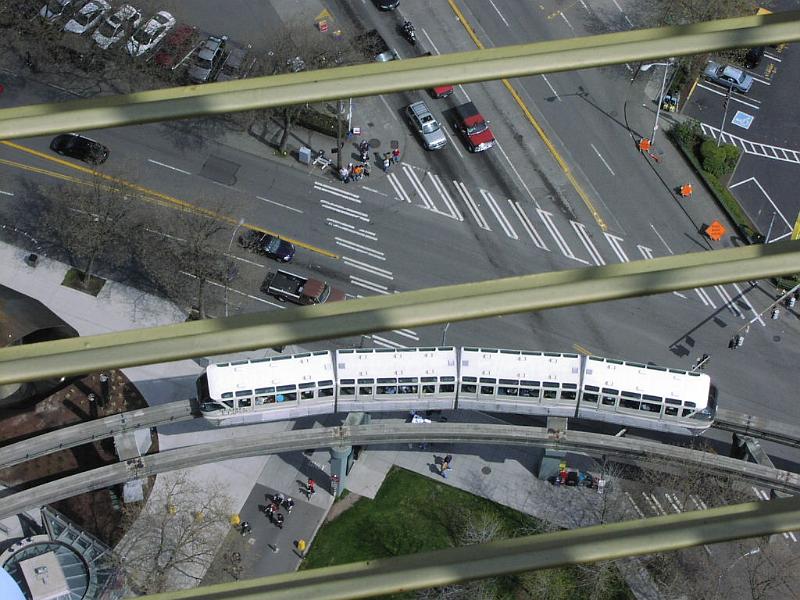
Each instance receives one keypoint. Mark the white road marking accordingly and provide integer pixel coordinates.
(430, 42)
(600, 156)
(619, 8)
(407, 333)
(369, 285)
(630, 24)
(497, 10)
(374, 191)
(244, 260)
(6, 193)
(583, 236)
(381, 341)
(734, 98)
(519, 177)
(765, 150)
(705, 297)
(166, 166)
(615, 243)
(356, 214)
(647, 253)
(357, 264)
(767, 196)
(453, 143)
(552, 89)
(728, 301)
(337, 192)
(377, 254)
(421, 191)
(351, 229)
(471, 205)
(662, 239)
(463, 91)
(758, 80)
(635, 506)
(547, 219)
(451, 205)
(698, 502)
(389, 108)
(527, 225)
(650, 503)
(743, 296)
(775, 58)
(498, 214)
(398, 188)
(563, 16)
(672, 503)
(679, 295)
(234, 290)
(297, 210)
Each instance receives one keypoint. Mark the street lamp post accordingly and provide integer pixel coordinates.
(645, 68)
(228, 273)
(725, 572)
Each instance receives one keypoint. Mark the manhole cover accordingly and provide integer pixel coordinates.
(220, 170)
(486, 470)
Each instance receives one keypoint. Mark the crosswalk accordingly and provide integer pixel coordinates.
(519, 222)
(755, 148)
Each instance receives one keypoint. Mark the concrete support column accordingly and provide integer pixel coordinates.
(339, 457)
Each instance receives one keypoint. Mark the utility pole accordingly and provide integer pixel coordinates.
(339, 143)
(229, 263)
(724, 116)
(769, 229)
(660, 100)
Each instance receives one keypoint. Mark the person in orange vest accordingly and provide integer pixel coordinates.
(644, 145)
(686, 190)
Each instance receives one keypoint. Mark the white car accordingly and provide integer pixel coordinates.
(54, 9)
(116, 26)
(146, 38)
(87, 17)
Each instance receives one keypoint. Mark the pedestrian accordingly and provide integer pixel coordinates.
(365, 166)
(301, 548)
(279, 498)
(448, 459)
(344, 175)
(289, 504)
(358, 172)
(279, 520)
(386, 163)
(443, 469)
(396, 155)
(310, 488)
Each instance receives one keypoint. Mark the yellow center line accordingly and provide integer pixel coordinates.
(581, 350)
(169, 201)
(552, 149)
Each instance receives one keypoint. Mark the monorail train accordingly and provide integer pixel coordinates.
(413, 379)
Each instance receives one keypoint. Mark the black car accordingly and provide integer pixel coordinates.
(269, 245)
(80, 147)
(753, 57)
(387, 4)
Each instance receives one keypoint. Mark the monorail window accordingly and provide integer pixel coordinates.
(325, 392)
(592, 388)
(508, 391)
(382, 380)
(429, 389)
(611, 391)
(245, 402)
(488, 380)
(609, 400)
(487, 390)
(650, 407)
(367, 380)
(365, 390)
(692, 404)
(468, 388)
(228, 403)
(590, 398)
(408, 380)
(652, 398)
(307, 391)
(286, 393)
(630, 404)
(568, 395)
(673, 401)
(633, 395)
(528, 392)
(509, 382)
(408, 389)
(244, 393)
(347, 388)
(384, 389)
(447, 388)
(671, 411)
(686, 412)
(227, 394)
(266, 390)
(529, 383)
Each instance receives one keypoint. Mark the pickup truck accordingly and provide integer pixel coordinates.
(287, 286)
(473, 127)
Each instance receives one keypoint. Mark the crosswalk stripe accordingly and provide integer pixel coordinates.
(359, 248)
(368, 285)
(728, 301)
(356, 214)
(381, 341)
(451, 206)
(547, 219)
(421, 191)
(743, 296)
(583, 236)
(527, 225)
(352, 262)
(407, 333)
(351, 229)
(647, 253)
(398, 189)
(616, 245)
(336, 192)
(498, 214)
(471, 206)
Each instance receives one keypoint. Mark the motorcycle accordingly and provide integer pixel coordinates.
(408, 32)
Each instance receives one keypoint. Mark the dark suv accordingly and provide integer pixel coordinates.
(80, 147)
(208, 60)
(270, 246)
(387, 4)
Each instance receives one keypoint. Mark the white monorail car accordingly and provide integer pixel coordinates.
(639, 395)
(268, 389)
(388, 379)
(519, 381)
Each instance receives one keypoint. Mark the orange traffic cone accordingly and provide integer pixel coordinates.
(686, 190)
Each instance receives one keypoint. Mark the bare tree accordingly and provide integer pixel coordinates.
(171, 542)
(90, 220)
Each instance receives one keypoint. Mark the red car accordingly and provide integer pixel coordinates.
(443, 91)
(177, 47)
(474, 128)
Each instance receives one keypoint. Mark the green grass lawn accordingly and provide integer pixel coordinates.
(412, 513)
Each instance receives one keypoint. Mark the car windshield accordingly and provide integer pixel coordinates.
(273, 245)
(143, 36)
(429, 124)
(108, 29)
(84, 18)
(477, 128)
(203, 63)
(55, 6)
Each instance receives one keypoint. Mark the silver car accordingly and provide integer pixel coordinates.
(426, 126)
(208, 59)
(728, 76)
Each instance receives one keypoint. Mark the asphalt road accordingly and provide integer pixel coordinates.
(526, 216)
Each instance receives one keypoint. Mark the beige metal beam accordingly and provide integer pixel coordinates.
(32, 362)
(395, 76)
(546, 551)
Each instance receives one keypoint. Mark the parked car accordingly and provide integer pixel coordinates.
(426, 126)
(88, 17)
(387, 4)
(728, 76)
(55, 9)
(148, 37)
(374, 46)
(208, 60)
(270, 246)
(180, 43)
(115, 27)
(237, 65)
(77, 146)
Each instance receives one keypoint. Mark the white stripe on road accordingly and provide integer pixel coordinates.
(552, 89)
(734, 98)
(498, 214)
(635, 506)
(616, 246)
(547, 219)
(527, 225)
(352, 262)
(583, 236)
(497, 10)
(356, 214)
(6, 193)
(451, 205)
(519, 177)
(744, 297)
(728, 301)
(600, 156)
(160, 164)
(297, 210)
(705, 297)
(322, 187)
(398, 189)
(647, 253)
(471, 205)
(381, 341)
(369, 285)
(421, 191)
(374, 191)
(407, 333)
(359, 248)
(351, 229)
